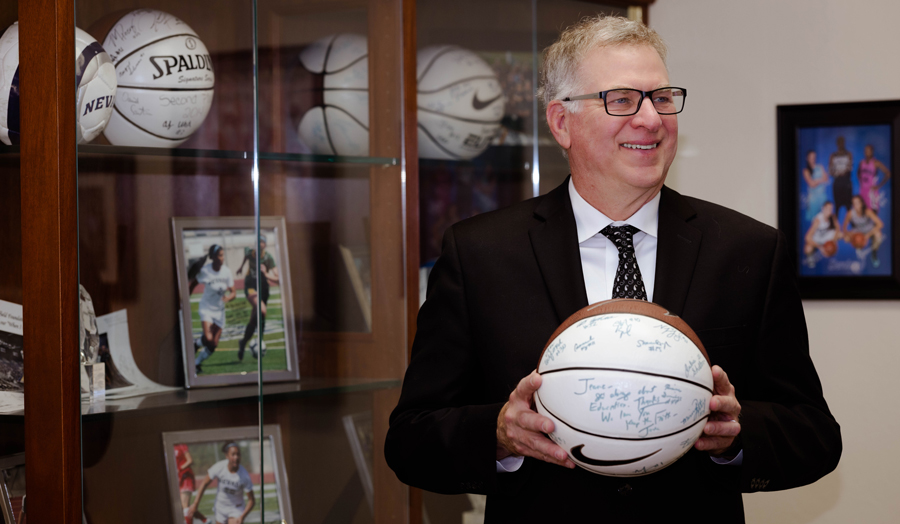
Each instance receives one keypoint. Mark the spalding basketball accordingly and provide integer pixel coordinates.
(627, 386)
(339, 123)
(95, 78)
(165, 78)
(460, 103)
(858, 240)
(830, 248)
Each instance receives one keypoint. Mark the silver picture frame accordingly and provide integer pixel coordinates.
(205, 448)
(193, 237)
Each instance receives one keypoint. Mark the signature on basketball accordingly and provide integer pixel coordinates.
(553, 351)
(670, 332)
(585, 345)
(129, 68)
(696, 413)
(653, 345)
(623, 327)
(694, 366)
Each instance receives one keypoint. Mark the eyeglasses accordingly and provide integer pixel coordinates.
(627, 102)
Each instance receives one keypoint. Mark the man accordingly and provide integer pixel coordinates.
(507, 279)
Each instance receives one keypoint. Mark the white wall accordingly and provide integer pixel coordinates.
(739, 59)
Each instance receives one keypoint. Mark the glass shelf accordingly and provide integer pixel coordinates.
(94, 149)
(308, 387)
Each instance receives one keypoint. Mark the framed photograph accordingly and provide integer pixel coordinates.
(222, 338)
(836, 198)
(217, 474)
(12, 488)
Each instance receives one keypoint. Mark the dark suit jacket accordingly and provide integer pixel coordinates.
(505, 280)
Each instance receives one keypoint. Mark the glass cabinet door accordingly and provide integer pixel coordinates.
(241, 259)
(12, 364)
(490, 147)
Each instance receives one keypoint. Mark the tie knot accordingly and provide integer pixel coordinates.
(619, 234)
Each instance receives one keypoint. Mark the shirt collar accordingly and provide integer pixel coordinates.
(589, 220)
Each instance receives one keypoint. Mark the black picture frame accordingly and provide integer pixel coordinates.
(850, 268)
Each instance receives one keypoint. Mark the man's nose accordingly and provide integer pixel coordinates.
(647, 116)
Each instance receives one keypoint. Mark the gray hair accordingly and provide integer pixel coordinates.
(561, 61)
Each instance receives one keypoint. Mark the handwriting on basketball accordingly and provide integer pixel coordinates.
(585, 345)
(667, 331)
(623, 328)
(694, 366)
(644, 412)
(653, 345)
(553, 351)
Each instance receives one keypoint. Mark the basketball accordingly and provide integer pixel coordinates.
(830, 248)
(95, 78)
(627, 386)
(460, 103)
(858, 240)
(339, 122)
(165, 78)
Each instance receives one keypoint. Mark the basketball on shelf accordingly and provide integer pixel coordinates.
(627, 386)
(460, 103)
(830, 248)
(338, 124)
(165, 78)
(858, 240)
(95, 78)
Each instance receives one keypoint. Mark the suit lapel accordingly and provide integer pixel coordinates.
(677, 250)
(555, 245)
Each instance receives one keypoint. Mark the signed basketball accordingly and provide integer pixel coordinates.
(627, 385)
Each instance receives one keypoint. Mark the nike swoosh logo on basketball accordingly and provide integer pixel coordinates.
(576, 452)
(481, 104)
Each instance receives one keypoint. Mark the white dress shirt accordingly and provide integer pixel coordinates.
(599, 261)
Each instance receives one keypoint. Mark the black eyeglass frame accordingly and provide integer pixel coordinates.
(644, 94)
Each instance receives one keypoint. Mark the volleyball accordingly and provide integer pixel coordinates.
(627, 385)
(9, 85)
(460, 103)
(165, 78)
(96, 81)
(339, 122)
(95, 78)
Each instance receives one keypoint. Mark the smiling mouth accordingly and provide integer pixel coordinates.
(639, 146)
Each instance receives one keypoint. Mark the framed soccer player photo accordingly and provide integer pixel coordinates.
(234, 321)
(215, 475)
(12, 488)
(836, 197)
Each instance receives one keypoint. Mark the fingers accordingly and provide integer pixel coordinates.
(521, 430)
(525, 389)
(723, 424)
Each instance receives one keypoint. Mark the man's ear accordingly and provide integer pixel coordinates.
(557, 119)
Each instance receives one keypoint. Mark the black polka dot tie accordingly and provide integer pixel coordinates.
(629, 283)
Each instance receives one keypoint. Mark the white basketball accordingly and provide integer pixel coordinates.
(95, 78)
(165, 77)
(460, 103)
(628, 387)
(339, 125)
(9, 85)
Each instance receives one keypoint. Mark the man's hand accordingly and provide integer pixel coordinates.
(520, 429)
(723, 427)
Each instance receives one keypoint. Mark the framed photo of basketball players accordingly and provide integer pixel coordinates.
(236, 321)
(836, 197)
(218, 474)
